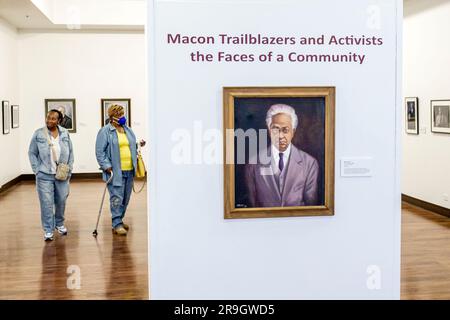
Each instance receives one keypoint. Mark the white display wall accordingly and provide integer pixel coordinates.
(194, 252)
(426, 157)
(9, 91)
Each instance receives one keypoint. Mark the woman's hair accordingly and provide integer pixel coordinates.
(114, 110)
(60, 115)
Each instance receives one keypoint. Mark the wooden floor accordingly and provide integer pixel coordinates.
(111, 267)
(114, 267)
(425, 254)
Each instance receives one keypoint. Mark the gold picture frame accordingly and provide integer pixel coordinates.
(124, 102)
(68, 107)
(316, 104)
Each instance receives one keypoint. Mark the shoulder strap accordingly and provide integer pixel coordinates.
(50, 144)
(142, 187)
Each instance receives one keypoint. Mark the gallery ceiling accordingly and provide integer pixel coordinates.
(126, 15)
(23, 15)
(115, 15)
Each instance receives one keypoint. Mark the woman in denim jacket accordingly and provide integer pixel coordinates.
(52, 193)
(116, 151)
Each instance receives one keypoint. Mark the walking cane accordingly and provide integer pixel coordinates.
(95, 233)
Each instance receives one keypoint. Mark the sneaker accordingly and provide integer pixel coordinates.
(48, 236)
(62, 230)
(120, 230)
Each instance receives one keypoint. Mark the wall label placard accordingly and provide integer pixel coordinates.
(357, 167)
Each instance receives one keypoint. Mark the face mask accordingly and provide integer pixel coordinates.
(122, 121)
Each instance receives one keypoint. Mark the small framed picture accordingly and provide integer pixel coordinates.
(440, 116)
(412, 115)
(125, 103)
(14, 116)
(6, 117)
(68, 109)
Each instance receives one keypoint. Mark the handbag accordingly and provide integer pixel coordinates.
(62, 169)
(141, 172)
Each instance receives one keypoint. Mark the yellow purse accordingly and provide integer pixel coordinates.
(141, 172)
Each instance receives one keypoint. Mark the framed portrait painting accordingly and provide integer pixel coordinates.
(68, 109)
(125, 103)
(440, 116)
(6, 122)
(14, 116)
(278, 151)
(412, 115)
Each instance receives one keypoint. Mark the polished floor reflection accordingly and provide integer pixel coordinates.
(77, 266)
(425, 254)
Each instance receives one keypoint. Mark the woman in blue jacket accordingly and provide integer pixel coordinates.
(52, 193)
(116, 152)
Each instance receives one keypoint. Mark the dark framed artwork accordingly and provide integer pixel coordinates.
(15, 116)
(440, 116)
(278, 151)
(68, 108)
(6, 122)
(125, 103)
(412, 115)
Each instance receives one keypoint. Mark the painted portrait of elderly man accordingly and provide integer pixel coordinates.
(67, 107)
(283, 152)
(291, 177)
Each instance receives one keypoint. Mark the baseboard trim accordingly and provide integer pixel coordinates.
(87, 176)
(426, 205)
(27, 177)
(10, 184)
(30, 177)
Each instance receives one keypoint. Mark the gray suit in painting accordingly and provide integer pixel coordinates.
(296, 185)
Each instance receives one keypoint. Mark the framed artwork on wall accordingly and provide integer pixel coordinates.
(68, 108)
(6, 122)
(440, 116)
(412, 115)
(14, 116)
(125, 103)
(278, 151)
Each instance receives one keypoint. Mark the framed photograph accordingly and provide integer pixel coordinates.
(278, 151)
(6, 117)
(125, 103)
(440, 116)
(14, 116)
(67, 108)
(412, 115)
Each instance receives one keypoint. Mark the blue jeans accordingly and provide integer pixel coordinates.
(52, 197)
(119, 197)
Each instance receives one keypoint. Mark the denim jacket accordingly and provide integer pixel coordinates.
(108, 153)
(39, 151)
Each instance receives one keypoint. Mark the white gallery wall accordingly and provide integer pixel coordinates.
(194, 252)
(426, 157)
(87, 66)
(9, 91)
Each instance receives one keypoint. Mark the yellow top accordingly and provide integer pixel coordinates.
(125, 152)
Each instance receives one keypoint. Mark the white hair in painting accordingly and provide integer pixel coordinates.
(281, 108)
